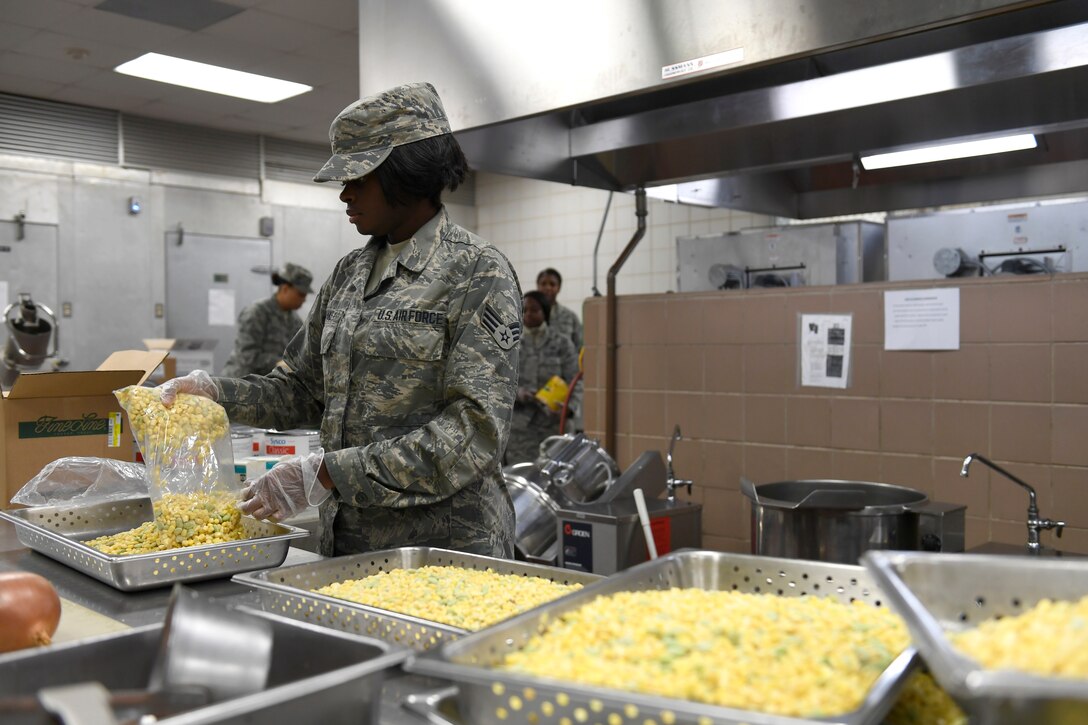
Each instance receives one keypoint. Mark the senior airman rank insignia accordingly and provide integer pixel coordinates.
(506, 334)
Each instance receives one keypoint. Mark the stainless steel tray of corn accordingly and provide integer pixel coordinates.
(289, 591)
(487, 695)
(58, 532)
(939, 595)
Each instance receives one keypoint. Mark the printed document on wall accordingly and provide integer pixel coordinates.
(825, 350)
(221, 307)
(922, 319)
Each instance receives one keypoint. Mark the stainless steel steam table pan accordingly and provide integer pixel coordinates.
(59, 531)
(940, 594)
(289, 591)
(487, 695)
(315, 676)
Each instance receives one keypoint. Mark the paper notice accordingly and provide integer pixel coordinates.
(927, 319)
(825, 350)
(221, 307)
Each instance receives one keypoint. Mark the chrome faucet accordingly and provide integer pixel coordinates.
(1035, 523)
(671, 481)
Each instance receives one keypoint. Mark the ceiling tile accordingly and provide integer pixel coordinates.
(192, 15)
(46, 69)
(36, 13)
(20, 85)
(93, 53)
(84, 96)
(107, 89)
(342, 15)
(271, 31)
(205, 48)
(212, 104)
(304, 70)
(284, 116)
(341, 48)
(13, 35)
(312, 43)
(112, 28)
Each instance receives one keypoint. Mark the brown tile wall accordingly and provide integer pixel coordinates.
(724, 367)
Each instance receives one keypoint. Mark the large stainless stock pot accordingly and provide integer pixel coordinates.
(830, 520)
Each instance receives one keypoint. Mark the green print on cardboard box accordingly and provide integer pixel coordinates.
(49, 426)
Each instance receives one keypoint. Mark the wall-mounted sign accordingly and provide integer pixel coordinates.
(922, 319)
(825, 350)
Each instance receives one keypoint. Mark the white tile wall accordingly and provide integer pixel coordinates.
(540, 224)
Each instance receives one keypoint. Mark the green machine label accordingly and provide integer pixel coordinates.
(49, 426)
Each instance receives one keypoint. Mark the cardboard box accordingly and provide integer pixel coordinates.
(50, 415)
(169, 367)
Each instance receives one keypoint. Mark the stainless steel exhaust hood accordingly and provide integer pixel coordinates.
(752, 105)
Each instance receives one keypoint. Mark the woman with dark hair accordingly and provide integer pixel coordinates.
(545, 353)
(265, 327)
(564, 321)
(409, 356)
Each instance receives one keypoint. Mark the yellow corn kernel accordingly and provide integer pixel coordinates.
(181, 520)
(806, 656)
(465, 598)
(190, 427)
(1049, 639)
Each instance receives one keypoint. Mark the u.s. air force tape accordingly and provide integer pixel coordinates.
(425, 317)
(506, 334)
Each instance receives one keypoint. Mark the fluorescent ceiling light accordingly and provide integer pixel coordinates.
(212, 78)
(943, 152)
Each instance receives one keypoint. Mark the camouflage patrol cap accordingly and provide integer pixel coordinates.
(364, 133)
(298, 277)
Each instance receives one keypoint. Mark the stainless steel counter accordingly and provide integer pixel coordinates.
(134, 609)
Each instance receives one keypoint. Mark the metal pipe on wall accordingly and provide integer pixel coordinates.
(610, 394)
(597, 246)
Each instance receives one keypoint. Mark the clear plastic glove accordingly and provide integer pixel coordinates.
(290, 487)
(197, 382)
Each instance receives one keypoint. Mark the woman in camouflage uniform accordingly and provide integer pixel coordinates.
(545, 352)
(265, 327)
(564, 321)
(408, 358)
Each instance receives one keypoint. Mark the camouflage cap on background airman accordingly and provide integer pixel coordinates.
(297, 276)
(365, 132)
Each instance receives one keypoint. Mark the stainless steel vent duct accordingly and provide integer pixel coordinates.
(803, 89)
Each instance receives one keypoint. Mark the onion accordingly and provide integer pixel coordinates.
(29, 610)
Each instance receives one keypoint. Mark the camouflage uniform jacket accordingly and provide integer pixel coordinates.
(264, 329)
(414, 387)
(543, 356)
(567, 324)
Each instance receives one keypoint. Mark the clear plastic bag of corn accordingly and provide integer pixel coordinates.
(190, 474)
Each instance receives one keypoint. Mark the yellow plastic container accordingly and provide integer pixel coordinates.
(553, 393)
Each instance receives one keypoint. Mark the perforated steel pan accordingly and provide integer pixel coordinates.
(289, 591)
(487, 695)
(939, 594)
(59, 532)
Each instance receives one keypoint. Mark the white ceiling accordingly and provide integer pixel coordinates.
(65, 50)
